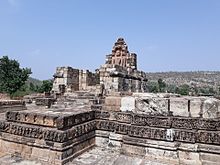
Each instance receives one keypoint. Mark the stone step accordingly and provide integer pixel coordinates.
(81, 97)
(79, 93)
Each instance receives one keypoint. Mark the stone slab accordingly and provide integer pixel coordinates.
(127, 104)
(179, 107)
(60, 119)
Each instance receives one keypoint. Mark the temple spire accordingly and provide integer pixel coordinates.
(121, 56)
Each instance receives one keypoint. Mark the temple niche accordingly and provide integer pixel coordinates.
(118, 74)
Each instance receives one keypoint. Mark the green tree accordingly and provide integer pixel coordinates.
(161, 85)
(37, 88)
(12, 77)
(32, 87)
(183, 89)
(46, 86)
(171, 88)
(153, 87)
(211, 91)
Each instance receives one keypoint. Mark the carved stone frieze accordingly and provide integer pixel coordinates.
(102, 114)
(209, 137)
(47, 134)
(185, 136)
(68, 128)
(124, 117)
(152, 121)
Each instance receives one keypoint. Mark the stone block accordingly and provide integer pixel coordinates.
(127, 104)
(208, 157)
(102, 142)
(115, 139)
(191, 158)
(210, 108)
(133, 150)
(165, 156)
(45, 102)
(111, 108)
(153, 106)
(195, 107)
(179, 107)
(113, 101)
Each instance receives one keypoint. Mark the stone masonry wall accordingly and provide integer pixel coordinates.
(12, 105)
(49, 138)
(67, 78)
(88, 79)
(174, 140)
(55, 139)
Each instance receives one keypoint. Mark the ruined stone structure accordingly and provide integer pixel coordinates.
(119, 73)
(164, 127)
(164, 130)
(67, 79)
(12, 105)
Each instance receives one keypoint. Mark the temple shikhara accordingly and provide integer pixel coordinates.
(108, 117)
(118, 74)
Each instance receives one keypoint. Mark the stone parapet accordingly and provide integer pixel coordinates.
(165, 104)
(45, 101)
(12, 105)
(58, 120)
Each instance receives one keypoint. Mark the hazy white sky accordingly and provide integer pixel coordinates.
(171, 35)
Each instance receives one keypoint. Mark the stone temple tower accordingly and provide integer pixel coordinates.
(121, 56)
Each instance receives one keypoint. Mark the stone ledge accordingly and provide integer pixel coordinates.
(11, 102)
(54, 119)
(46, 155)
(160, 121)
(12, 105)
(47, 134)
(179, 135)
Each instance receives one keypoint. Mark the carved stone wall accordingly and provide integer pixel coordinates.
(62, 137)
(118, 79)
(88, 79)
(45, 102)
(175, 140)
(57, 120)
(67, 79)
(190, 130)
(54, 138)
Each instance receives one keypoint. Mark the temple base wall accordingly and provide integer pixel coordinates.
(57, 139)
(41, 151)
(164, 152)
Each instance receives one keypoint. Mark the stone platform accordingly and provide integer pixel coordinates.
(12, 105)
(95, 156)
(49, 136)
(53, 118)
(59, 136)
